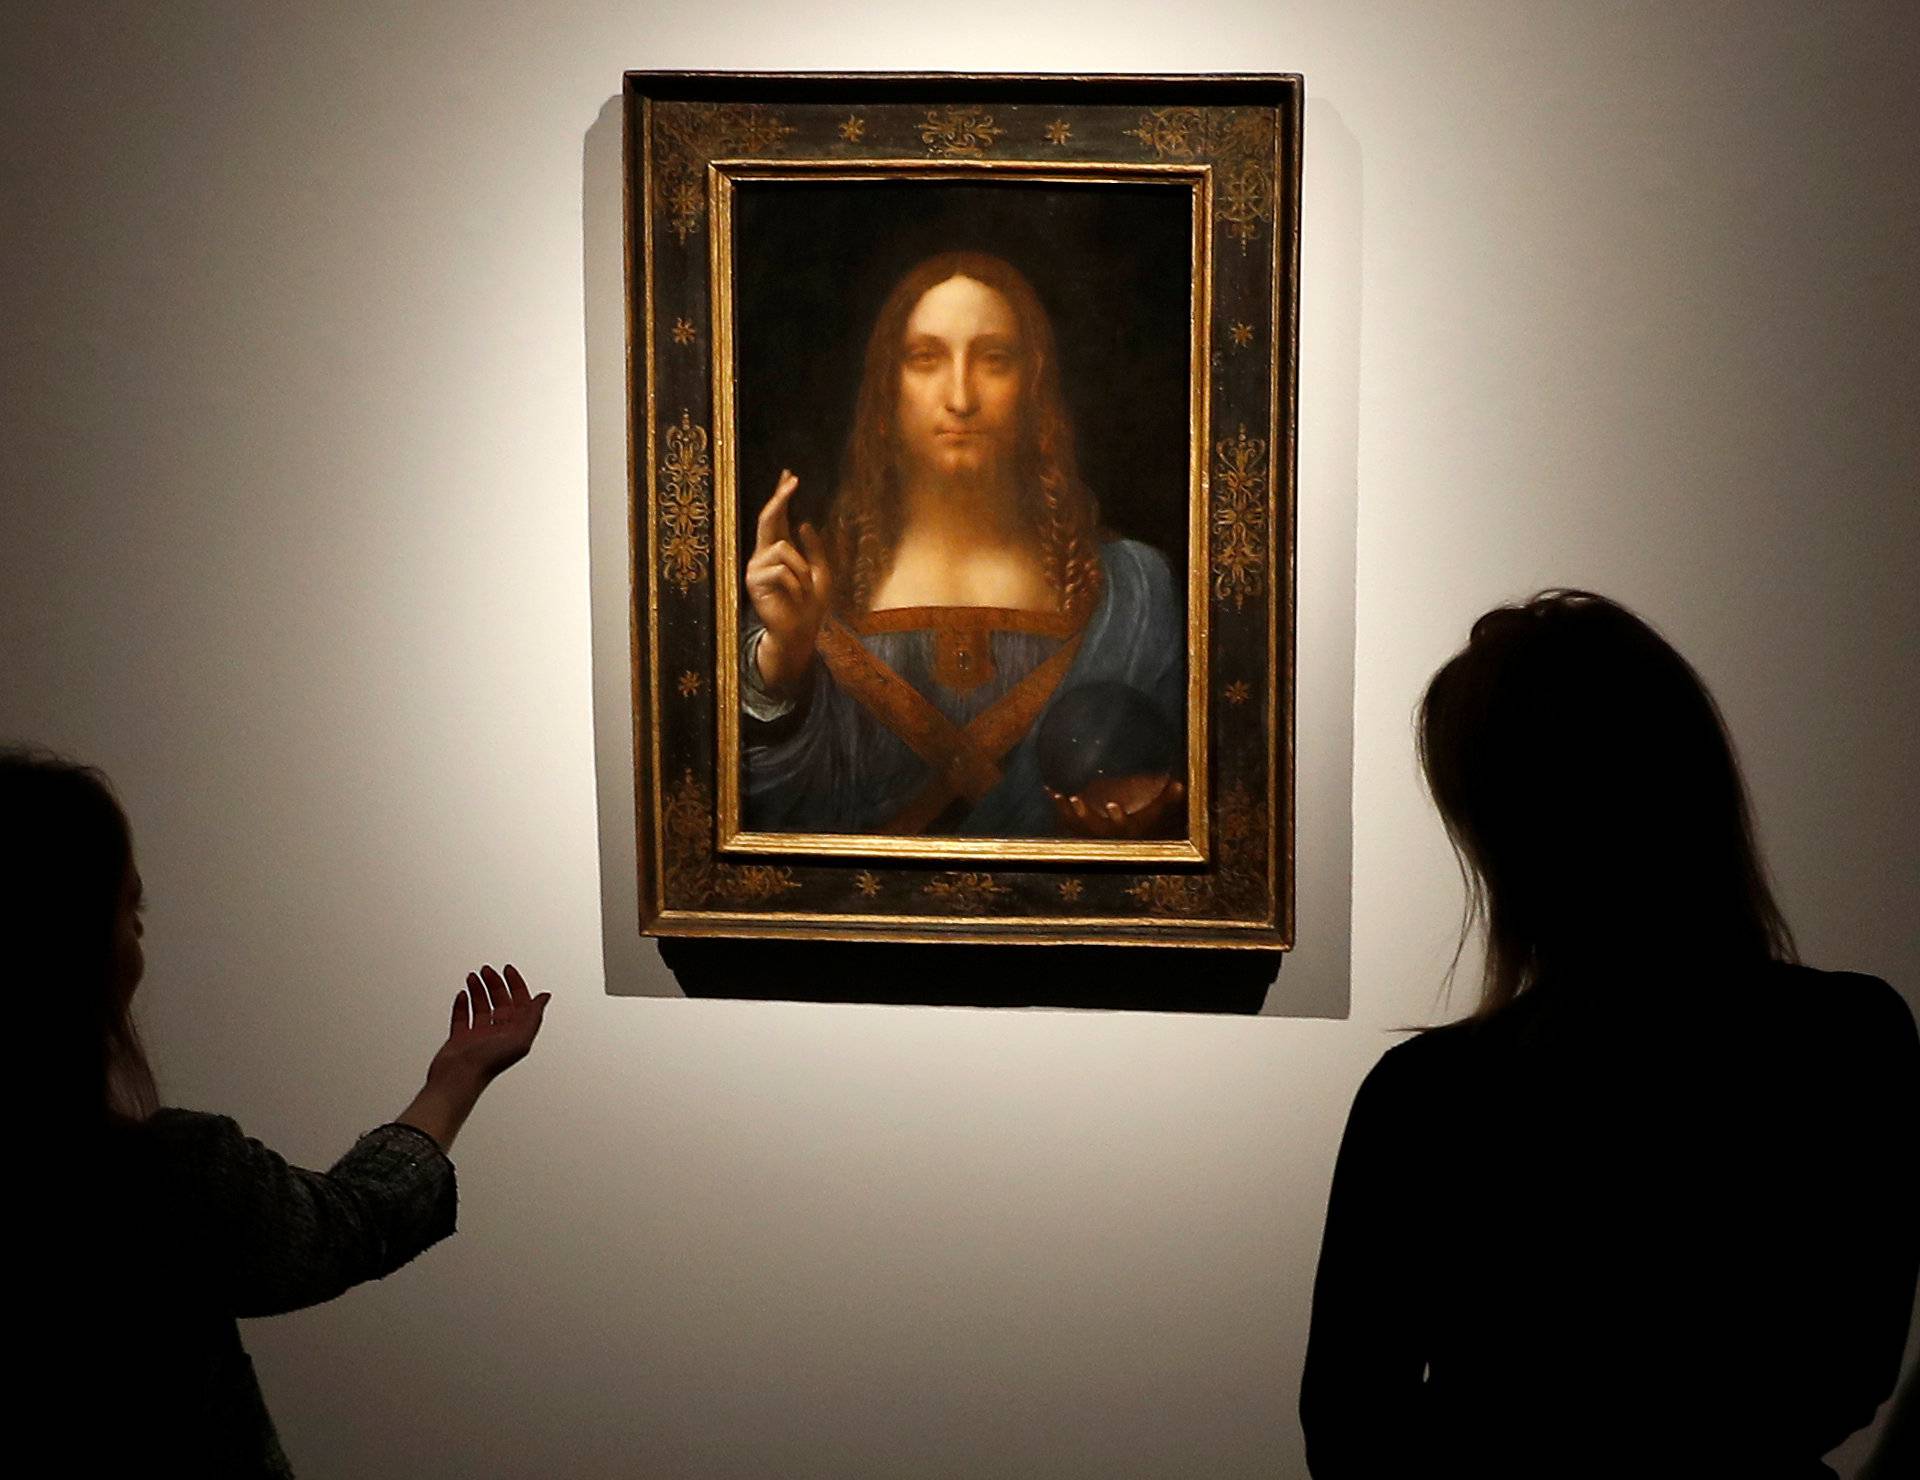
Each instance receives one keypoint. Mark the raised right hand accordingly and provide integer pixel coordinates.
(791, 589)
(495, 1021)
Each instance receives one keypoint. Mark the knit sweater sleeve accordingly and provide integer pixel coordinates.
(262, 1236)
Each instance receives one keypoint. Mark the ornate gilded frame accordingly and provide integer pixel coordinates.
(1234, 143)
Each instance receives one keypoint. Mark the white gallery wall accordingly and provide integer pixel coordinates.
(313, 535)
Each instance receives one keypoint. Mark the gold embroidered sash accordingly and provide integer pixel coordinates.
(965, 761)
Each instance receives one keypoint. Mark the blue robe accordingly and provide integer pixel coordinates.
(837, 768)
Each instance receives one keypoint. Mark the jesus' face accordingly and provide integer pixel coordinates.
(962, 369)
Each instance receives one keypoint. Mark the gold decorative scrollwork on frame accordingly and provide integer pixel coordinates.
(1172, 894)
(1239, 518)
(693, 878)
(1239, 141)
(1240, 879)
(687, 135)
(969, 892)
(1237, 882)
(964, 133)
(685, 511)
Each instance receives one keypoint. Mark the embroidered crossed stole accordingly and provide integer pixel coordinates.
(965, 759)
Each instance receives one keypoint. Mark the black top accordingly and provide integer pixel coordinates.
(1646, 1230)
(193, 1224)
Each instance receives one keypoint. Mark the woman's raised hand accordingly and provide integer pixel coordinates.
(495, 1020)
(791, 589)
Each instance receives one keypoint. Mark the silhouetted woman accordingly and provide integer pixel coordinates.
(1651, 1209)
(163, 1226)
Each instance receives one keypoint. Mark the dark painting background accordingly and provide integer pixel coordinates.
(813, 262)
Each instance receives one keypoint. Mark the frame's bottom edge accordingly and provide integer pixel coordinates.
(1159, 935)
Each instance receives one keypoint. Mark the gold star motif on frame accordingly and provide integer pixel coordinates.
(866, 882)
(1239, 691)
(1242, 335)
(853, 128)
(1059, 131)
(1069, 889)
(690, 684)
(684, 332)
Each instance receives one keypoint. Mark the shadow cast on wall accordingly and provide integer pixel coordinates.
(1156, 979)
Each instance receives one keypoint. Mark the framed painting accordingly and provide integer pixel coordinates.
(962, 480)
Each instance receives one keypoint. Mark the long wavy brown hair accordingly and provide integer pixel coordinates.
(863, 523)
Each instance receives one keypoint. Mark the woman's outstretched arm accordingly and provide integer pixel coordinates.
(259, 1236)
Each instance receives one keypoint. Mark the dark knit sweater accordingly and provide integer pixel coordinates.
(214, 1226)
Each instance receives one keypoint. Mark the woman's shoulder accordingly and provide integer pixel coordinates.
(176, 1140)
(1441, 1061)
(1784, 1011)
(1427, 1060)
(1413, 1089)
(174, 1153)
(1839, 1004)
(1852, 993)
(172, 1125)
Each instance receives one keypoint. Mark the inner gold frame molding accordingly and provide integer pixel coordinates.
(1234, 144)
(721, 177)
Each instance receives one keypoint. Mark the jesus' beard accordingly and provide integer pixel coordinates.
(987, 482)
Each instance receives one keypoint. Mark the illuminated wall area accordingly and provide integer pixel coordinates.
(313, 532)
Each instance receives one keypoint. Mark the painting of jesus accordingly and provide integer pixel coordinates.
(961, 492)
(957, 645)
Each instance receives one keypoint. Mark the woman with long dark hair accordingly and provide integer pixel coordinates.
(167, 1225)
(1650, 1209)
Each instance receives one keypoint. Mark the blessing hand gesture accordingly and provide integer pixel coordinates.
(791, 588)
